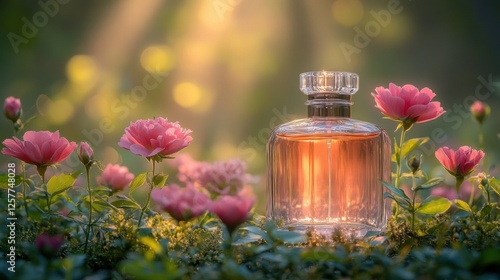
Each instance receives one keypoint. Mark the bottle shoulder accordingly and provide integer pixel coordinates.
(328, 126)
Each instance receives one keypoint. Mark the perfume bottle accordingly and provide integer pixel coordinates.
(326, 171)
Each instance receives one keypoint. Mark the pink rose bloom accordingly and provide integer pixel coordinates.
(41, 148)
(234, 210)
(116, 177)
(479, 110)
(407, 103)
(157, 137)
(85, 153)
(460, 163)
(12, 108)
(181, 203)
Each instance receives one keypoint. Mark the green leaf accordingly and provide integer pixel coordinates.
(396, 192)
(485, 211)
(430, 183)
(462, 205)
(59, 183)
(257, 231)
(403, 203)
(494, 184)
(434, 205)
(248, 238)
(411, 144)
(137, 182)
(159, 180)
(121, 203)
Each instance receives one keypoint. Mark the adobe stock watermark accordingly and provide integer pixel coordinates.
(30, 28)
(454, 117)
(254, 144)
(222, 7)
(362, 38)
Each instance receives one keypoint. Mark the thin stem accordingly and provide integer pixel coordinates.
(414, 186)
(398, 163)
(459, 182)
(481, 137)
(41, 172)
(471, 197)
(488, 195)
(148, 199)
(24, 192)
(481, 146)
(89, 226)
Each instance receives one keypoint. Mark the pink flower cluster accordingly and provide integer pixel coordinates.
(407, 104)
(156, 138)
(181, 203)
(189, 202)
(221, 177)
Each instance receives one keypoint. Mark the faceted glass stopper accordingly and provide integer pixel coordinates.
(318, 82)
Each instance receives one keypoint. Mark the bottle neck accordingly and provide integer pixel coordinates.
(329, 105)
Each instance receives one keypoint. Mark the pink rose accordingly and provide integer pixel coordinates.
(480, 110)
(85, 153)
(407, 104)
(234, 210)
(116, 177)
(181, 203)
(460, 163)
(41, 148)
(12, 108)
(157, 137)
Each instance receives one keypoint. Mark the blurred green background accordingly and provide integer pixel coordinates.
(228, 69)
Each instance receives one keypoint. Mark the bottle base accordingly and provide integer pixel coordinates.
(350, 230)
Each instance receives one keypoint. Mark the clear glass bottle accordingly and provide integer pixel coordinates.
(325, 171)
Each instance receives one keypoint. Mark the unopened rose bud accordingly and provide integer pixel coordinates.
(85, 153)
(12, 108)
(480, 111)
(414, 163)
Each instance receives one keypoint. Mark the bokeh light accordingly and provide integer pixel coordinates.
(157, 59)
(191, 96)
(81, 69)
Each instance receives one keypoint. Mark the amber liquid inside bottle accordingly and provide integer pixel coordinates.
(326, 172)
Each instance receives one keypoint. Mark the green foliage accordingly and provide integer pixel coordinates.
(60, 183)
(433, 205)
(138, 181)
